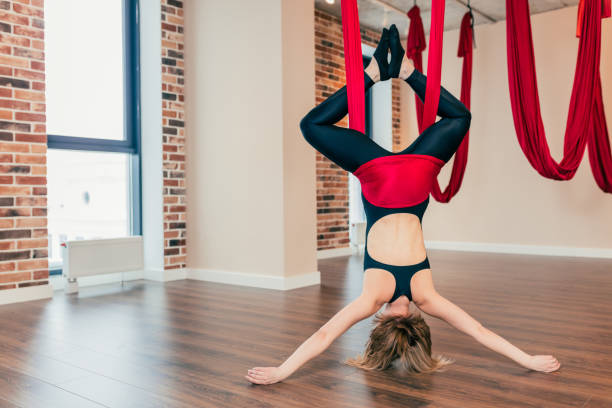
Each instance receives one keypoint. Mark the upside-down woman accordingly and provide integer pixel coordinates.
(395, 194)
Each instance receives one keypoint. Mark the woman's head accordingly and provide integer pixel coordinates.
(403, 338)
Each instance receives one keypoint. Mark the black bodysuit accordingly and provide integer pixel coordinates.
(391, 182)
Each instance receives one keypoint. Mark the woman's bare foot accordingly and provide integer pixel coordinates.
(407, 68)
(545, 364)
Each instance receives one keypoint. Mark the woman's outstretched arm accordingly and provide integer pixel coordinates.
(362, 307)
(440, 307)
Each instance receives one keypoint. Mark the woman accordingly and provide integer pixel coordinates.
(395, 194)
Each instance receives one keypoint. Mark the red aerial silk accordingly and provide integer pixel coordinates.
(434, 63)
(586, 123)
(415, 45)
(461, 155)
(353, 63)
(606, 12)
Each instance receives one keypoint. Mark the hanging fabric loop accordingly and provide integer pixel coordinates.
(586, 120)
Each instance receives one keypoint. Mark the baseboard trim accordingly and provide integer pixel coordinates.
(165, 275)
(335, 252)
(26, 294)
(520, 249)
(58, 282)
(255, 280)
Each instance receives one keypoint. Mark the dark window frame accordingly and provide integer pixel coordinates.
(132, 132)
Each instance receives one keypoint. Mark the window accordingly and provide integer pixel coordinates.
(93, 125)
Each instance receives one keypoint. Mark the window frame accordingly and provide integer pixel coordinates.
(131, 126)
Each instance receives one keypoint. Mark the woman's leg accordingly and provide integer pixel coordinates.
(348, 148)
(442, 139)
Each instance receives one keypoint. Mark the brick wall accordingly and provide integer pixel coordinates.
(173, 133)
(332, 181)
(23, 191)
(396, 100)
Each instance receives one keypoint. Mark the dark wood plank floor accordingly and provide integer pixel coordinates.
(189, 343)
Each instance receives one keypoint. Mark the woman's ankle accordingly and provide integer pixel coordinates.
(373, 71)
(406, 69)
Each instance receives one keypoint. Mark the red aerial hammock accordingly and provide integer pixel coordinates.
(434, 63)
(586, 123)
(415, 44)
(607, 12)
(466, 36)
(353, 61)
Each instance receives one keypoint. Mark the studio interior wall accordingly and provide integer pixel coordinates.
(503, 200)
(234, 135)
(250, 174)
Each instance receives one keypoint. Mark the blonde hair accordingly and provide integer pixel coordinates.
(396, 337)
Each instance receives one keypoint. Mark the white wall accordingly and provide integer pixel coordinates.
(299, 159)
(250, 175)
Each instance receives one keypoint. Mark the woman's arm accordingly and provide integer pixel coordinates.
(438, 306)
(357, 310)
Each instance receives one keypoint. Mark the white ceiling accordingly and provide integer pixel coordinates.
(373, 14)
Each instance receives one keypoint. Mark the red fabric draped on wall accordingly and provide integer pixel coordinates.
(353, 63)
(461, 155)
(586, 122)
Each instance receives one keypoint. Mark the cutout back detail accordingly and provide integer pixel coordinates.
(396, 239)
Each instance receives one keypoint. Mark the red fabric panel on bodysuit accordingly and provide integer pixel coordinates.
(398, 181)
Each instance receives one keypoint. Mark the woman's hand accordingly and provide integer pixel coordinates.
(545, 364)
(265, 375)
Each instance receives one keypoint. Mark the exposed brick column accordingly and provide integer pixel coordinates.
(396, 103)
(173, 113)
(23, 191)
(332, 181)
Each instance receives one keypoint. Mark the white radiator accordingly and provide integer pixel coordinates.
(100, 256)
(357, 235)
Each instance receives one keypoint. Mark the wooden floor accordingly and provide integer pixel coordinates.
(189, 343)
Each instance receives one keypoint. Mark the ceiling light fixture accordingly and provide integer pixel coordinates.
(330, 1)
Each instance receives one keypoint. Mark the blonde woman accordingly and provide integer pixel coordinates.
(395, 193)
